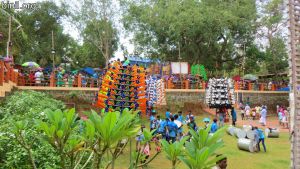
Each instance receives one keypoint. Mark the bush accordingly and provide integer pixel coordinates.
(27, 106)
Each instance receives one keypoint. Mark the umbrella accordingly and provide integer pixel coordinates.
(206, 120)
(31, 64)
(250, 77)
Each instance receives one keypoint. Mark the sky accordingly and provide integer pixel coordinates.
(73, 32)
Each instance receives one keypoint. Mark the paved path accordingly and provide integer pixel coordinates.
(272, 122)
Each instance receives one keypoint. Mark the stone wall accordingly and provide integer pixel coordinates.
(179, 98)
(188, 99)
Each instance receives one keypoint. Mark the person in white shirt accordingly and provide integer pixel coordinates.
(38, 77)
(247, 111)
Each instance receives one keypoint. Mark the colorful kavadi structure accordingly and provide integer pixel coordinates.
(123, 87)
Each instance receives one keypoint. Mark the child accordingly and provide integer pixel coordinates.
(280, 117)
(168, 113)
(173, 129)
(139, 138)
(152, 121)
(191, 123)
(179, 125)
(214, 126)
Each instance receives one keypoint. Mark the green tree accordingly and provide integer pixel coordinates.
(205, 31)
(272, 24)
(95, 21)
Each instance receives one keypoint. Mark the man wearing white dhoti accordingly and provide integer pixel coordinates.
(263, 119)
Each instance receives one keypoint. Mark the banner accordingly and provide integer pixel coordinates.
(180, 67)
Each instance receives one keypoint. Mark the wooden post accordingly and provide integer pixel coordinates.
(236, 85)
(203, 85)
(79, 81)
(1, 72)
(186, 82)
(52, 79)
(250, 86)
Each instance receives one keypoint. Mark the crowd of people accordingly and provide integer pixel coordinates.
(258, 112)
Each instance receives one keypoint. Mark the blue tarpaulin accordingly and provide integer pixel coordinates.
(88, 70)
(284, 89)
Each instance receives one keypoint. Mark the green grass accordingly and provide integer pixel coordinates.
(276, 157)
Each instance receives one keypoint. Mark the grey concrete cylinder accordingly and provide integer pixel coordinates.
(230, 130)
(246, 144)
(272, 134)
(241, 134)
(250, 134)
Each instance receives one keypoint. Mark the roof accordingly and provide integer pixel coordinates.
(140, 59)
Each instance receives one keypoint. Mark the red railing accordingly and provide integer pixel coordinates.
(7, 73)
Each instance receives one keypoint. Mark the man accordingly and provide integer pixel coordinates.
(263, 118)
(38, 77)
(188, 116)
(179, 125)
(261, 139)
(214, 126)
(168, 113)
(233, 116)
(173, 129)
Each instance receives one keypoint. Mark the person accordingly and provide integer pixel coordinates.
(168, 113)
(257, 109)
(280, 115)
(221, 117)
(191, 123)
(263, 118)
(261, 139)
(139, 138)
(253, 114)
(161, 129)
(221, 164)
(38, 77)
(247, 111)
(256, 139)
(214, 126)
(152, 121)
(180, 117)
(187, 118)
(179, 125)
(173, 129)
(233, 116)
(206, 124)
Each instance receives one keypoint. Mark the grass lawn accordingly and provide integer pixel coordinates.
(276, 157)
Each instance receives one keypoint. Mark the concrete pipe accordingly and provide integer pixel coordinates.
(246, 144)
(236, 130)
(250, 134)
(274, 133)
(241, 134)
(247, 127)
(230, 130)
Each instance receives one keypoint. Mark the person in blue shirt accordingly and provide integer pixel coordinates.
(152, 121)
(261, 136)
(168, 113)
(179, 125)
(187, 118)
(180, 117)
(161, 129)
(173, 129)
(233, 116)
(214, 126)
